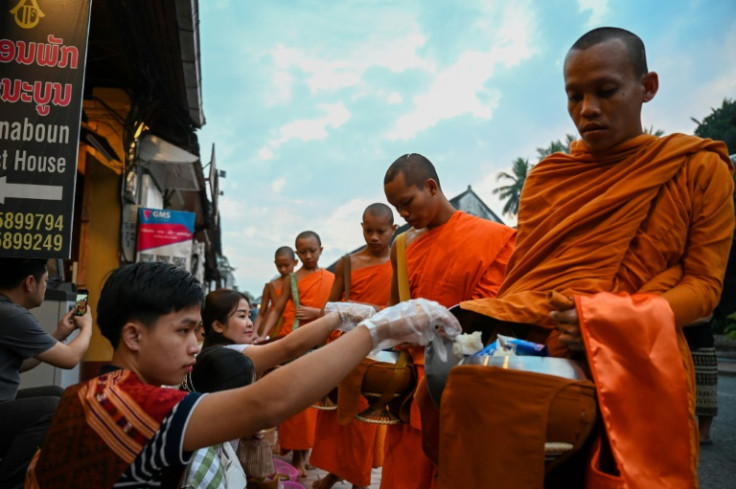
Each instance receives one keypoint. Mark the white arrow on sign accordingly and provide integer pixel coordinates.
(28, 191)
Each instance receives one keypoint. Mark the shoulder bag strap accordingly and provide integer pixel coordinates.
(402, 274)
(346, 275)
(295, 298)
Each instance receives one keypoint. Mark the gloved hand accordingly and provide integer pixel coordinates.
(351, 313)
(417, 321)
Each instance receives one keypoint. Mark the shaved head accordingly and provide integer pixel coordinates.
(634, 45)
(285, 251)
(307, 235)
(379, 210)
(416, 170)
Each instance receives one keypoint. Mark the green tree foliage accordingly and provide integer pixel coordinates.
(556, 147)
(720, 124)
(512, 192)
(653, 132)
(521, 167)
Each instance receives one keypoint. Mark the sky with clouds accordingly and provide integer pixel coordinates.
(308, 101)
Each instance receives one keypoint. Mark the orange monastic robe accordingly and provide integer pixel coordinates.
(297, 432)
(465, 258)
(276, 290)
(348, 450)
(653, 215)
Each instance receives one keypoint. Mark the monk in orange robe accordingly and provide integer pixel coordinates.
(450, 256)
(313, 285)
(285, 261)
(634, 229)
(349, 451)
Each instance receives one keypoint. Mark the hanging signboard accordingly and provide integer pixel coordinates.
(165, 235)
(43, 46)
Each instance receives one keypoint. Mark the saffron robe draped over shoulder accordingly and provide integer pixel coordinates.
(653, 215)
(371, 284)
(351, 450)
(297, 432)
(465, 258)
(314, 289)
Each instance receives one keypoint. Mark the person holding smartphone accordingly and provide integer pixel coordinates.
(26, 413)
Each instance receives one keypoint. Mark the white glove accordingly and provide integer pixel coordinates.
(417, 321)
(351, 313)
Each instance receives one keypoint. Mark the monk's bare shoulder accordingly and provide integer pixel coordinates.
(413, 234)
(276, 282)
(364, 258)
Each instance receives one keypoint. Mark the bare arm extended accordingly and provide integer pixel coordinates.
(225, 415)
(278, 308)
(265, 300)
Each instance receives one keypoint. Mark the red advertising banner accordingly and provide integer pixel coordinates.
(165, 235)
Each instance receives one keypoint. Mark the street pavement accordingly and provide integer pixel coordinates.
(315, 474)
(717, 468)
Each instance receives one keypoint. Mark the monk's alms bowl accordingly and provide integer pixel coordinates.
(389, 376)
(383, 374)
(561, 367)
(437, 369)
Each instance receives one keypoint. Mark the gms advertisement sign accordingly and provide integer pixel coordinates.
(166, 235)
(43, 46)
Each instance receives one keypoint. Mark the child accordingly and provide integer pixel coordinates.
(304, 293)
(347, 451)
(285, 261)
(450, 256)
(123, 428)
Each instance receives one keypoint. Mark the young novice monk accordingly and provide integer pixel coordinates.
(122, 429)
(304, 294)
(347, 451)
(450, 257)
(285, 261)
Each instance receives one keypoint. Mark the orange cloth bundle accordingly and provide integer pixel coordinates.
(657, 371)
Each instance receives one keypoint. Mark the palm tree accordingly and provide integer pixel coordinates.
(512, 192)
(653, 132)
(720, 124)
(556, 147)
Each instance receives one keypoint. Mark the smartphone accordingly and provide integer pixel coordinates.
(81, 307)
